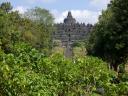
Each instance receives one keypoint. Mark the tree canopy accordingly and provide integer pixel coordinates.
(25, 69)
(42, 26)
(34, 27)
(110, 35)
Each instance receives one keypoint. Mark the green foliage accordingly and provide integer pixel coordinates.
(9, 22)
(15, 27)
(41, 28)
(57, 43)
(39, 15)
(26, 71)
(79, 51)
(6, 7)
(110, 35)
(77, 44)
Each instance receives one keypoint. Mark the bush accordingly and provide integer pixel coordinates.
(26, 72)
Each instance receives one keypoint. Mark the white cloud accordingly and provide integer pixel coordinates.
(99, 3)
(21, 9)
(84, 16)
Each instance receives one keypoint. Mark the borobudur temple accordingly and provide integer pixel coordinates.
(71, 31)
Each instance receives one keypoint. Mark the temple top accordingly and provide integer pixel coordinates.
(69, 14)
(69, 19)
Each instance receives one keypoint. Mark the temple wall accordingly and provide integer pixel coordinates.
(70, 31)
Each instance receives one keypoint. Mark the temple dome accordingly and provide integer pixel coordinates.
(69, 19)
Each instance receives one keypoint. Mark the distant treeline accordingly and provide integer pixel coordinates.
(33, 27)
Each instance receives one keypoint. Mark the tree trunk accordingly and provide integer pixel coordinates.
(115, 66)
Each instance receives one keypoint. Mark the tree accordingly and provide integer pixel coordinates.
(110, 35)
(9, 26)
(6, 6)
(42, 26)
(40, 15)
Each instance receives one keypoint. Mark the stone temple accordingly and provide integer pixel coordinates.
(71, 31)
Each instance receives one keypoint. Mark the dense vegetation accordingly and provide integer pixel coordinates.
(30, 27)
(110, 35)
(26, 72)
(27, 67)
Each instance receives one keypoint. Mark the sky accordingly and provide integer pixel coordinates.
(84, 11)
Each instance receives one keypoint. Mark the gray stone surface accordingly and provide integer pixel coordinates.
(68, 52)
(71, 31)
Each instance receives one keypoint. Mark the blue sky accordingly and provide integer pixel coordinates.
(83, 10)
